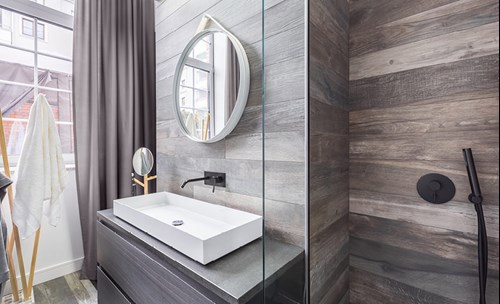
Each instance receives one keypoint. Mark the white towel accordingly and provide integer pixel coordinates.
(41, 174)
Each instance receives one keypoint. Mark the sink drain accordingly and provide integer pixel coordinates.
(178, 223)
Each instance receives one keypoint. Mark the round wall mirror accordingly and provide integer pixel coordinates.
(143, 161)
(211, 86)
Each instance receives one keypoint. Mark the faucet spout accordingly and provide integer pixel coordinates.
(211, 178)
(195, 180)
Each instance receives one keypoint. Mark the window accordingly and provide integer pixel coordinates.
(28, 68)
(195, 89)
(41, 31)
(5, 19)
(65, 6)
(28, 27)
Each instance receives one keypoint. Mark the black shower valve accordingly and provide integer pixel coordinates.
(436, 188)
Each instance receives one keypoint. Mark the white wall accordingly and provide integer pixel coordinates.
(61, 247)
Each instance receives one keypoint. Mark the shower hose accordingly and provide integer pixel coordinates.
(482, 251)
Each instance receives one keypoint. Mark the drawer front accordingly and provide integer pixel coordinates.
(108, 293)
(143, 279)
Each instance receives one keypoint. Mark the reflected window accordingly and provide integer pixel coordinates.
(195, 96)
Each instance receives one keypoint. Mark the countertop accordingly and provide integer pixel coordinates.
(236, 277)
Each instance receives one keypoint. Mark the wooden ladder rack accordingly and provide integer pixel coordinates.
(14, 240)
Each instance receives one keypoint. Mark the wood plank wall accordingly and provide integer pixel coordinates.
(423, 85)
(240, 154)
(329, 151)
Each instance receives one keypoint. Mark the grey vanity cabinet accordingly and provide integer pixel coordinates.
(135, 268)
(108, 291)
(142, 278)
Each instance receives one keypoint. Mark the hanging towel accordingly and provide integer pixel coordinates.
(41, 174)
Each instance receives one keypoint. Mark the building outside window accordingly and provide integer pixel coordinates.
(29, 67)
(28, 27)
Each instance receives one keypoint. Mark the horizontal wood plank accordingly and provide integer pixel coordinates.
(427, 273)
(453, 17)
(434, 116)
(470, 43)
(444, 243)
(425, 83)
(369, 288)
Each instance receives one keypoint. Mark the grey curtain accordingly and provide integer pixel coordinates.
(114, 104)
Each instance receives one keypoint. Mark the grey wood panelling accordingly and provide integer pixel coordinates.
(108, 292)
(240, 155)
(328, 151)
(424, 85)
(145, 280)
(455, 16)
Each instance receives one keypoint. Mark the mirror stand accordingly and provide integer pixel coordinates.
(145, 184)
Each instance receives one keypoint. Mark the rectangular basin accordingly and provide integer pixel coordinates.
(208, 232)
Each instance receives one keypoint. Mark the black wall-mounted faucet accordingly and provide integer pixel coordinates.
(214, 179)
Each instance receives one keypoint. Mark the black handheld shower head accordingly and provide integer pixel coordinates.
(476, 196)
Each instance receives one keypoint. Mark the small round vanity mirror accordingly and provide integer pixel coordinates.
(211, 86)
(143, 161)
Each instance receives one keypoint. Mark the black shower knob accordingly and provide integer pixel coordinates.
(436, 188)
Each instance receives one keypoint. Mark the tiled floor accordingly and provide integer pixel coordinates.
(65, 290)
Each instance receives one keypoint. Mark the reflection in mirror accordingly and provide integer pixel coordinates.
(209, 85)
(143, 161)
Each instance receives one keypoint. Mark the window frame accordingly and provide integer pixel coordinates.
(23, 20)
(39, 14)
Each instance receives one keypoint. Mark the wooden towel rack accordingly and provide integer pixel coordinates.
(14, 239)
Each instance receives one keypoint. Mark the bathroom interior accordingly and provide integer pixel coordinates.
(249, 151)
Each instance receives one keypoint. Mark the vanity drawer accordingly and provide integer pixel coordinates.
(144, 280)
(108, 293)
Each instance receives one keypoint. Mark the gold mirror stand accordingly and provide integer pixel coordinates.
(145, 184)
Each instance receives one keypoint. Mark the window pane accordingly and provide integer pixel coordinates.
(56, 80)
(16, 102)
(27, 27)
(203, 125)
(67, 140)
(41, 31)
(65, 6)
(54, 73)
(12, 27)
(54, 65)
(16, 65)
(201, 79)
(186, 97)
(201, 100)
(188, 118)
(202, 51)
(56, 40)
(5, 22)
(187, 77)
(62, 108)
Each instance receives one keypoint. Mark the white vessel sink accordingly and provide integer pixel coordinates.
(208, 232)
